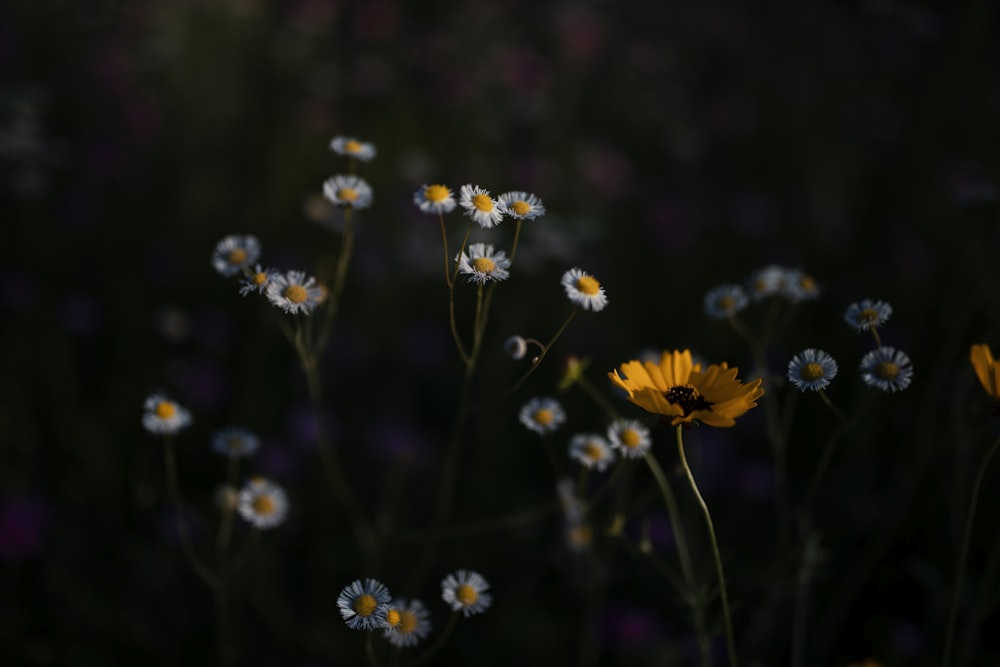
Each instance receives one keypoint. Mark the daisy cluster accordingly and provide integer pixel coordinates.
(366, 604)
(773, 281)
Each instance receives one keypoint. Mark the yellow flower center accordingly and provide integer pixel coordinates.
(296, 293)
(263, 505)
(543, 416)
(407, 622)
(807, 283)
(237, 256)
(688, 398)
(581, 535)
(593, 451)
(726, 302)
(759, 285)
(235, 443)
(868, 315)
(466, 594)
(588, 285)
(259, 278)
(630, 438)
(521, 208)
(365, 605)
(393, 618)
(436, 193)
(352, 146)
(483, 265)
(482, 203)
(347, 194)
(165, 409)
(886, 370)
(812, 372)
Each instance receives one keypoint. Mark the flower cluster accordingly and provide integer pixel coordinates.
(794, 285)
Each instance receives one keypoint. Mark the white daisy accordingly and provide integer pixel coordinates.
(351, 147)
(542, 415)
(591, 450)
(629, 437)
(584, 290)
(364, 604)
(767, 281)
(522, 205)
(886, 368)
(482, 263)
(725, 300)
(294, 292)
(349, 191)
(163, 416)
(235, 253)
(256, 280)
(262, 503)
(465, 591)
(800, 286)
(479, 206)
(434, 199)
(235, 442)
(412, 622)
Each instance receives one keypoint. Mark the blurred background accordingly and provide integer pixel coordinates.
(676, 146)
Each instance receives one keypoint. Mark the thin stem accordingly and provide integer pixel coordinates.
(541, 355)
(447, 260)
(727, 617)
(517, 235)
(370, 650)
(691, 596)
(173, 488)
(878, 340)
(503, 522)
(964, 553)
(436, 646)
(340, 277)
(227, 646)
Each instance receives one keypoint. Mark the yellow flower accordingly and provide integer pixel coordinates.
(987, 370)
(679, 389)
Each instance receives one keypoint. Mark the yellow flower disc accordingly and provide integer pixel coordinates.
(581, 535)
(259, 278)
(868, 315)
(521, 208)
(237, 256)
(407, 622)
(352, 146)
(436, 193)
(543, 416)
(726, 302)
(482, 203)
(393, 618)
(165, 409)
(263, 505)
(886, 370)
(483, 265)
(630, 438)
(812, 372)
(365, 605)
(588, 285)
(347, 194)
(593, 451)
(296, 293)
(466, 594)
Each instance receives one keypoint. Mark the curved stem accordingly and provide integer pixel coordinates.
(173, 488)
(691, 595)
(541, 355)
(964, 553)
(727, 617)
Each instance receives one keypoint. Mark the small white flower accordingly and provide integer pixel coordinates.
(235, 253)
(294, 292)
(629, 437)
(235, 442)
(413, 625)
(542, 415)
(465, 591)
(886, 368)
(767, 281)
(591, 450)
(522, 205)
(800, 286)
(348, 191)
(434, 199)
(262, 503)
(256, 280)
(351, 147)
(725, 300)
(163, 416)
(584, 290)
(867, 314)
(482, 264)
(812, 369)
(364, 604)
(479, 206)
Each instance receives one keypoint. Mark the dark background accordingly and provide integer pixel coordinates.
(676, 145)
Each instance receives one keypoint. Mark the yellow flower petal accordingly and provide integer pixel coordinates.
(987, 369)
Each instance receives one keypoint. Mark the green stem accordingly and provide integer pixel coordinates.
(541, 355)
(340, 277)
(727, 617)
(173, 488)
(687, 569)
(963, 555)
